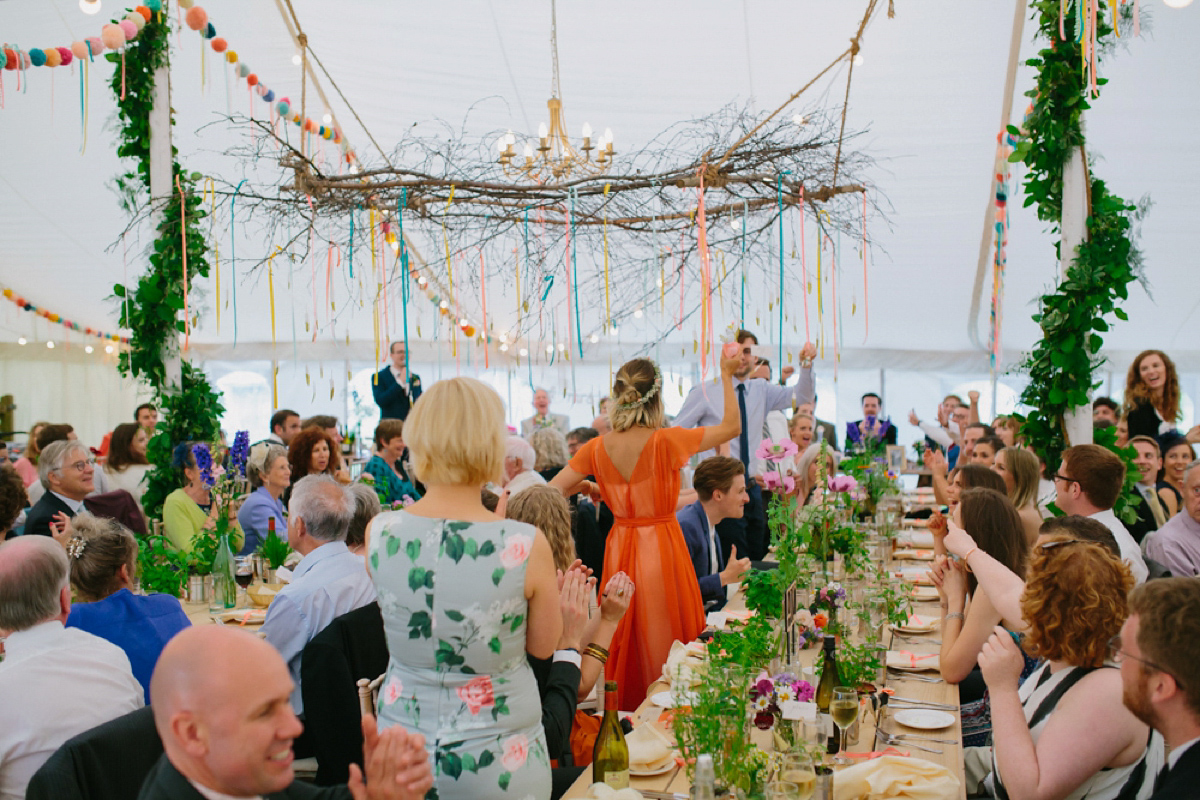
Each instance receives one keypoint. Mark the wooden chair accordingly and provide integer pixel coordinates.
(368, 691)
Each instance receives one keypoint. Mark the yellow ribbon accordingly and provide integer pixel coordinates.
(375, 301)
(210, 194)
(271, 293)
(450, 279)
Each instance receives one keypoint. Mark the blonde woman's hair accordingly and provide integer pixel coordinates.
(455, 433)
(546, 509)
(97, 550)
(550, 446)
(636, 396)
(1023, 466)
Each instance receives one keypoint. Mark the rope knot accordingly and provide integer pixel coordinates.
(302, 40)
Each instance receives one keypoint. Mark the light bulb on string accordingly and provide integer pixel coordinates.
(89, 349)
(89, 6)
(1177, 3)
(858, 59)
(108, 349)
(524, 351)
(21, 340)
(327, 119)
(296, 59)
(595, 339)
(50, 345)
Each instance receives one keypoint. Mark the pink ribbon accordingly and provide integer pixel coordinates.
(914, 658)
(891, 751)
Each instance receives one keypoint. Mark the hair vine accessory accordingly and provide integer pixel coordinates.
(647, 397)
(75, 546)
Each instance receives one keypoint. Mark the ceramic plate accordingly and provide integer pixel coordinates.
(636, 773)
(667, 699)
(924, 719)
(912, 662)
(924, 593)
(917, 624)
(241, 616)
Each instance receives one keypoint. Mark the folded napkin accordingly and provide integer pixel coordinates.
(913, 555)
(602, 791)
(898, 777)
(918, 623)
(682, 661)
(918, 538)
(924, 593)
(649, 749)
(242, 616)
(903, 659)
(919, 575)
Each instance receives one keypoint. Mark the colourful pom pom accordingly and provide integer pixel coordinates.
(251, 79)
(145, 11)
(53, 58)
(8, 293)
(219, 44)
(129, 28)
(321, 130)
(283, 107)
(243, 70)
(112, 36)
(37, 57)
(64, 53)
(79, 50)
(196, 18)
(210, 31)
(96, 45)
(154, 5)
(231, 56)
(310, 126)
(137, 19)
(269, 96)
(260, 90)
(10, 58)
(186, 4)
(328, 134)
(468, 330)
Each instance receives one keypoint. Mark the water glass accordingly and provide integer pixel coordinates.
(782, 790)
(797, 769)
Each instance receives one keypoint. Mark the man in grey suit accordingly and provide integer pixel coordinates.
(543, 418)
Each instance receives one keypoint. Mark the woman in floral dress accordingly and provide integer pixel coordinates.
(465, 595)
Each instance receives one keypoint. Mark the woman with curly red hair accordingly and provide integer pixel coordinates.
(310, 453)
(1064, 732)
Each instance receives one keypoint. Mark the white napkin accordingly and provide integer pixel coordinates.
(896, 777)
(682, 661)
(602, 791)
(903, 659)
(649, 749)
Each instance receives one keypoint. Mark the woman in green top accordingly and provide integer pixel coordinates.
(189, 509)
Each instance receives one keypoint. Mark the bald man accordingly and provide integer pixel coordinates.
(226, 735)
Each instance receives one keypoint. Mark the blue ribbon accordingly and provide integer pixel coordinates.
(233, 257)
(404, 278)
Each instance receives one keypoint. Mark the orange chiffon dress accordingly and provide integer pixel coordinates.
(647, 543)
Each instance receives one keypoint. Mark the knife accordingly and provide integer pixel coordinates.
(947, 706)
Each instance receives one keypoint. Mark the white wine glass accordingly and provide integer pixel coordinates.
(798, 769)
(844, 710)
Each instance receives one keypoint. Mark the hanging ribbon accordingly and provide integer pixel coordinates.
(607, 306)
(187, 315)
(210, 194)
(233, 257)
(804, 267)
(450, 276)
(820, 280)
(271, 295)
(400, 206)
(483, 296)
(375, 281)
(706, 309)
(742, 263)
(312, 261)
(779, 202)
(573, 194)
(350, 257)
(866, 302)
(84, 86)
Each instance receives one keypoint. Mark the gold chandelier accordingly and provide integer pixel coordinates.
(555, 157)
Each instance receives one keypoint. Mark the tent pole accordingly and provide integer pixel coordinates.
(161, 189)
(1073, 224)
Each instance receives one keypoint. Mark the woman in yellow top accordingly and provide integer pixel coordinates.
(190, 509)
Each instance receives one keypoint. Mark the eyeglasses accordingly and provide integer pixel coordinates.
(78, 466)
(1052, 545)
(1117, 655)
(1058, 476)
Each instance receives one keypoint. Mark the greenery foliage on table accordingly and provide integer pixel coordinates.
(1072, 317)
(150, 308)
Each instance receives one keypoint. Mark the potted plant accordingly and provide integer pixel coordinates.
(274, 552)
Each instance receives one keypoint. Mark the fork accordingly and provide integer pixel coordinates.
(892, 740)
(922, 738)
(912, 676)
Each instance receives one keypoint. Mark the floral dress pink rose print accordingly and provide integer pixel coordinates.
(452, 595)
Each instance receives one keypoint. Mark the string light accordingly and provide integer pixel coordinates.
(50, 345)
(89, 6)
(22, 341)
(108, 349)
(89, 349)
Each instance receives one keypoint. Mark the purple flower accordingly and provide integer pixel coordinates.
(804, 691)
(773, 482)
(776, 451)
(239, 452)
(204, 463)
(842, 483)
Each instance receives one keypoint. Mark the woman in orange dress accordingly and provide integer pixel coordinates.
(636, 467)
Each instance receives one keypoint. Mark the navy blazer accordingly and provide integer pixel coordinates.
(37, 521)
(694, 523)
(1179, 782)
(394, 400)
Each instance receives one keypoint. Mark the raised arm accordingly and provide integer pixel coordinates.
(1002, 586)
(731, 423)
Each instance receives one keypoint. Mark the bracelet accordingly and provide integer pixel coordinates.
(967, 555)
(958, 615)
(597, 652)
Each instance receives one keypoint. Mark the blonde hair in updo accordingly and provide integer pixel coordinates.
(633, 382)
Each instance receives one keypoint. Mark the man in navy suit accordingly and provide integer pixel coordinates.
(394, 389)
(1158, 651)
(720, 483)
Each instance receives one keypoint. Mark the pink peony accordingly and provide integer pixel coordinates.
(803, 619)
(516, 551)
(516, 750)
(477, 693)
(392, 691)
(776, 451)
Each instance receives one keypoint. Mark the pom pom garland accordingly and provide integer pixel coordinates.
(112, 36)
(269, 96)
(219, 45)
(96, 45)
(283, 107)
(231, 56)
(154, 5)
(79, 50)
(243, 70)
(196, 17)
(10, 58)
(64, 53)
(251, 79)
(37, 57)
(53, 58)
(186, 4)
(210, 31)
(129, 29)
(137, 19)
(145, 11)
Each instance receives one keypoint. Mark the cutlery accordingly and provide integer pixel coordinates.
(663, 795)
(947, 706)
(912, 676)
(921, 707)
(915, 637)
(922, 738)
(892, 740)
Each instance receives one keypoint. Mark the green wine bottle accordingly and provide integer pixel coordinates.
(610, 756)
(830, 677)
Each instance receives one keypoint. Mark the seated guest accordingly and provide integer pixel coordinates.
(329, 424)
(1008, 430)
(285, 424)
(190, 509)
(1105, 412)
(1064, 732)
(972, 433)
(984, 452)
(1176, 545)
(309, 453)
(385, 468)
(329, 580)
(103, 556)
(519, 458)
(822, 431)
(578, 437)
(1089, 480)
(547, 510)
(26, 465)
(602, 424)
(50, 434)
(67, 472)
(225, 736)
(366, 508)
(54, 682)
(720, 484)
(807, 469)
(126, 465)
(872, 427)
(968, 476)
(270, 475)
(1123, 431)
(1177, 454)
(1156, 506)
(1019, 469)
(12, 500)
(550, 452)
(1157, 654)
(1078, 527)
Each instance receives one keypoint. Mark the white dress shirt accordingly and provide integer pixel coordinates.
(56, 683)
(937, 433)
(1131, 554)
(328, 582)
(705, 405)
(522, 481)
(1178, 752)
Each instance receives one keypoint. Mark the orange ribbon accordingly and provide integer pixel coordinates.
(914, 658)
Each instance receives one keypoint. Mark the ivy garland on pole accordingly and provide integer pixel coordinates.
(150, 309)
(1072, 317)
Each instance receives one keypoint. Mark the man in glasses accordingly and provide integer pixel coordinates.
(1158, 651)
(67, 473)
(1088, 481)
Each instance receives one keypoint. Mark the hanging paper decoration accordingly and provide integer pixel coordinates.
(58, 319)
